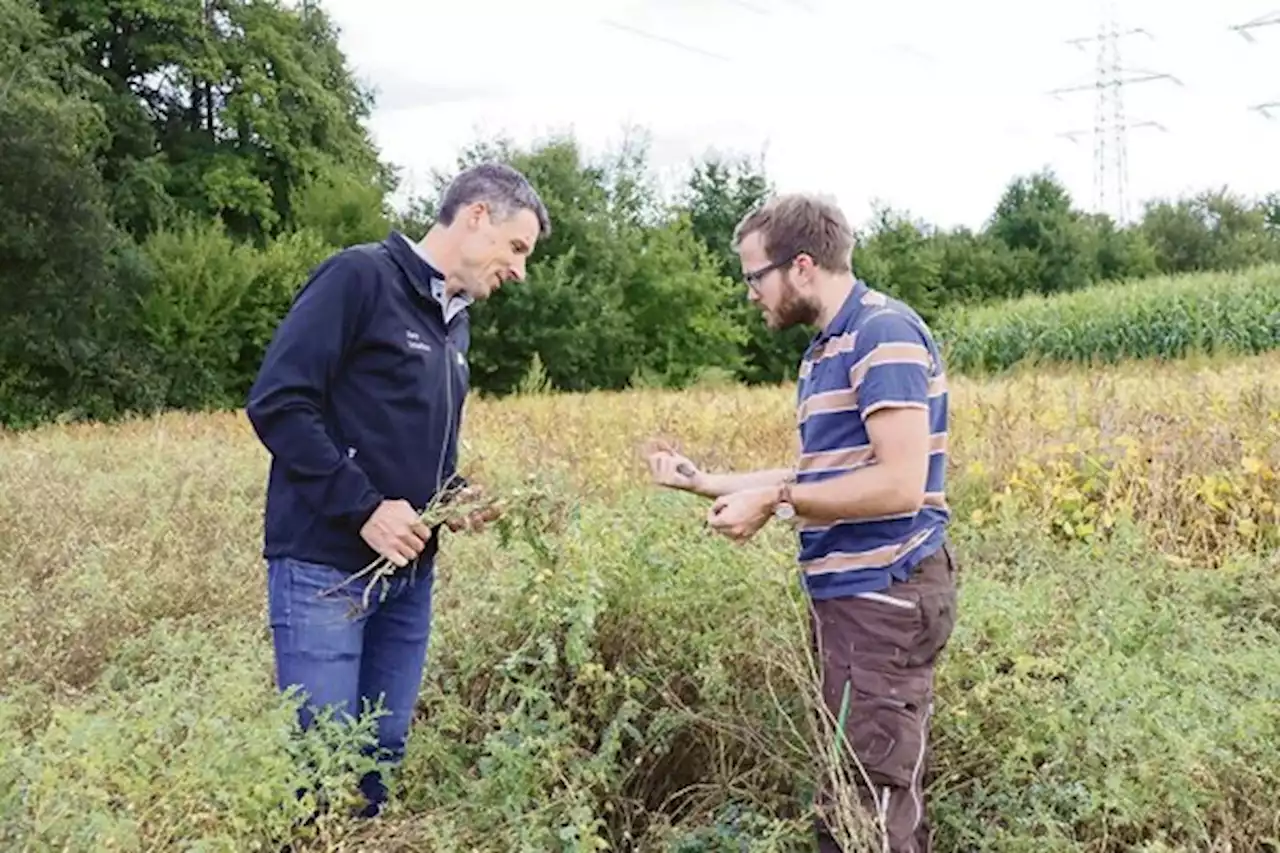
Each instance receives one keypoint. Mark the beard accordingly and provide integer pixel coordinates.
(792, 310)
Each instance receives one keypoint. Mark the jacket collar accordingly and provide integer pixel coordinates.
(419, 272)
(425, 277)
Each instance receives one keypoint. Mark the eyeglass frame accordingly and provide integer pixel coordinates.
(754, 277)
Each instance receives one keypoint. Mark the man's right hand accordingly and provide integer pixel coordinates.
(396, 532)
(671, 469)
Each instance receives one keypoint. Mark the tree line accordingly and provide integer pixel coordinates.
(170, 172)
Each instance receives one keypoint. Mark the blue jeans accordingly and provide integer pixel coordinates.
(342, 655)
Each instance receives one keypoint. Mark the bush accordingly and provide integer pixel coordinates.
(609, 672)
(214, 305)
(209, 725)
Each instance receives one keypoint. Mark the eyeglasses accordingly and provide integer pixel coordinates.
(754, 277)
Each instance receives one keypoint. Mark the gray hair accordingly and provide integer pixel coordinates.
(503, 188)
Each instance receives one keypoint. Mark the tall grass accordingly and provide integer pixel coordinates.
(1157, 318)
(613, 675)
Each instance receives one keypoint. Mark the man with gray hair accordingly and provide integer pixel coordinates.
(358, 401)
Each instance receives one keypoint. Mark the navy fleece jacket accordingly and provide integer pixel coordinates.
(359, 399)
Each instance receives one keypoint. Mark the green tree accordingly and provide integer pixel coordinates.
(622, 287)
(221, 107)
(214, 304)
(66, 275)
(569, 311)
(1118, 253)
(341, 206)
(1179, 237)
(718, 193)
(1271, 215)
(1215, 230)
(901, 256)
(1035, 213)
(975, 267)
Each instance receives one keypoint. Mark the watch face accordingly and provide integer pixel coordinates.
(785, 511)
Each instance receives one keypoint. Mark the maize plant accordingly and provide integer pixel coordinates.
(1160, 318)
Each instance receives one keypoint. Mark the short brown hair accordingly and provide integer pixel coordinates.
(795, 223)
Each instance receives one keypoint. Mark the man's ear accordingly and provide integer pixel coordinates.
(803, 268)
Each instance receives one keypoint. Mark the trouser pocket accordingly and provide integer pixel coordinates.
(887, 725)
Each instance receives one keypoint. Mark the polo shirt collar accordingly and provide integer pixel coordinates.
(847, 313)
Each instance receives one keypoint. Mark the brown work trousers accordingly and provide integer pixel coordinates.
(885, 645)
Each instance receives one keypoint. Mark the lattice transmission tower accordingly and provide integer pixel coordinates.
(1110, 124)
(1271, 109)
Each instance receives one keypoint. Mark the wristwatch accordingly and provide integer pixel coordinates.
(783, 508)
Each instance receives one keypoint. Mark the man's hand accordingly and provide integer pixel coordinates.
(481, 512)
(740, 515)
(670, 469)
(476, 520)
(396, 532)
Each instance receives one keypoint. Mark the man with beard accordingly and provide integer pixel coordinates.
(866, 495)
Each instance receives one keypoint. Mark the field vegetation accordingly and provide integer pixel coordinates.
(605, 675)
(1168, 317)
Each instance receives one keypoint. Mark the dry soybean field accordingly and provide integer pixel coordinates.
(606, 676)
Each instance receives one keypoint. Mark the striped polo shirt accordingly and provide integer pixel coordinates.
(876, 353)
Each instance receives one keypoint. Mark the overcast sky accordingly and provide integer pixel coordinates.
(925, 105)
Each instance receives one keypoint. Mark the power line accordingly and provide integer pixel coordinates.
(1081, 41)
(758, 7)
(1110, 127)
(636, 31)
(750, 7)
(1243, 29)
(1267, 109)
(1074, 135)
(1268, 20)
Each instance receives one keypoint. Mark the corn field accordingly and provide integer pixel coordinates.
(1156, 318)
